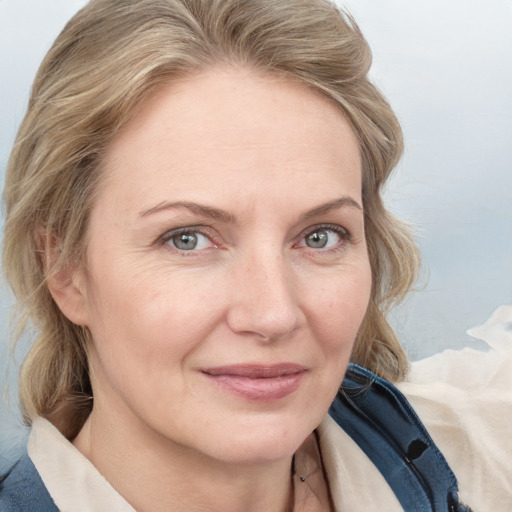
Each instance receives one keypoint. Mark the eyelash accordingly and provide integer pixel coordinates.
(343, 234)
(189, 230)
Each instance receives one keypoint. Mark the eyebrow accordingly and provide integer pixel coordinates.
(341, 202)
(223, 216)
(199, 209)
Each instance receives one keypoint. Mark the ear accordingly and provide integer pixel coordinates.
(66, 283)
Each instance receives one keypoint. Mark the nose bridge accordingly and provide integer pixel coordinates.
(263, 301)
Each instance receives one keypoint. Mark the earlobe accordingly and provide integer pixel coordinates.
(65, 282)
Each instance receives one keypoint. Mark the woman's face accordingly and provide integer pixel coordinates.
(227, 271)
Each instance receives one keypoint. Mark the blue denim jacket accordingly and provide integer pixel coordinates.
(22, 490)
(378, 417)
(370, 409)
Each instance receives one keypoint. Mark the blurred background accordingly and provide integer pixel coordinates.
(446, 68)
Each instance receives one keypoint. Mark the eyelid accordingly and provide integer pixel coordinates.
(201, 230)
(206, 231)
(342, 232)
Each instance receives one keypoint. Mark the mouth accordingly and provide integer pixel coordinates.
(262, 383)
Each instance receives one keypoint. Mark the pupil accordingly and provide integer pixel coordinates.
(317, 240)
(185, 241)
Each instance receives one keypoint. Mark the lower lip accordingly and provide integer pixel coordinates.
(259, 389)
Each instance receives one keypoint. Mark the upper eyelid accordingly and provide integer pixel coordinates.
(342, 232)
(202, 230)
(327, 226)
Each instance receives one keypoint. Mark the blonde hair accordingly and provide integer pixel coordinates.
(107, 60)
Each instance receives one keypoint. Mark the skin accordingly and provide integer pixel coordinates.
(279, 166)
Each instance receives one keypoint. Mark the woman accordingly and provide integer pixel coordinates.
(194, 224)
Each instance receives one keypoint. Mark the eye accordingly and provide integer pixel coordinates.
(187, 240)
(324, 237)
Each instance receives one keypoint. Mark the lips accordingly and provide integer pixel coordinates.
(257, 382)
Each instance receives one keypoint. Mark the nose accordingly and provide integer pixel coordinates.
(263, 301)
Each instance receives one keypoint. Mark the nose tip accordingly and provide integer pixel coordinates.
(264, 304)
(266, 326)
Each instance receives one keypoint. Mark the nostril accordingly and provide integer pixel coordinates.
(416, 449)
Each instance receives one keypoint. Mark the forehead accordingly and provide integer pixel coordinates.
(233, 126)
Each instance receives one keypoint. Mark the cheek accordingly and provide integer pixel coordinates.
(338, 307)
(140, 321)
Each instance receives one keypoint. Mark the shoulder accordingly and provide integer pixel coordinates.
(21, 489)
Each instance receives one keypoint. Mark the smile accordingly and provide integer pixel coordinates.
(258, 382)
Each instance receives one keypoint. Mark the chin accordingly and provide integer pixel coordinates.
(259, 443)
(258, 452)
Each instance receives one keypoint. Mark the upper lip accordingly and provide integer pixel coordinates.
(256, 371)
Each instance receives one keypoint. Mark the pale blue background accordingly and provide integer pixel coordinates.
(446, 67)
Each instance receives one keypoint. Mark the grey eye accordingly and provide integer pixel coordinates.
(317, 239)
(188, 240)
(185, 241)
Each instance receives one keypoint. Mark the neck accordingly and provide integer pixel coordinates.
(153, 473)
